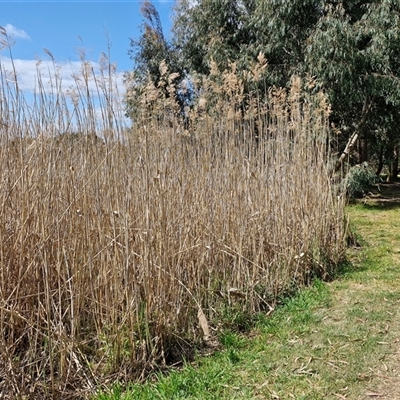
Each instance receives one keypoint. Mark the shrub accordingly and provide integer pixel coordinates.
(359, 180)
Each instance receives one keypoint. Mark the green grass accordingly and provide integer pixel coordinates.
(331, 340)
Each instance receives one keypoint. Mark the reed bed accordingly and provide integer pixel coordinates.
(121, 247)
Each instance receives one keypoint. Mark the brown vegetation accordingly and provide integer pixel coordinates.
(114, 254)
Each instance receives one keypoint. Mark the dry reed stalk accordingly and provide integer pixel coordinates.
(110, 251)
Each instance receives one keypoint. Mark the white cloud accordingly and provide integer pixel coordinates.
(66, 79)
(64, 75)
(16, 33)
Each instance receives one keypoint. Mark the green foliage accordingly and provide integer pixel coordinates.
(353, 52)
(212, 30)
(281, 30)
(351, 48)
(153, 56)
(151, 48)
(359, 180)
(230, 339)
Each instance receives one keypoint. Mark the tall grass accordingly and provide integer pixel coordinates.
(118, 247)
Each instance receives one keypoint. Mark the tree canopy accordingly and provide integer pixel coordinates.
(351, 48)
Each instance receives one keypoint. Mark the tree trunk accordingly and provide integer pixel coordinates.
(346, 151)
(380, 160)
(353, 138)
(362, 150)
(394, 165)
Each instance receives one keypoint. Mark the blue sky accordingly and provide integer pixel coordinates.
(59, 25)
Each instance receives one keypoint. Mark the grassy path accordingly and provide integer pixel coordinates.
(339, 340)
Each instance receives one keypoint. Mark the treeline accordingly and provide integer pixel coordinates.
(349, 49)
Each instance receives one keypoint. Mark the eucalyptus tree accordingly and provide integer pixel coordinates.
(216, 30)
(151, 48)
(155, 63)
(354, 53)
(281, 29)
(351, 48)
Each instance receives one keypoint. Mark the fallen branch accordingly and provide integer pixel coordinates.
(346, 151)
(353, 138)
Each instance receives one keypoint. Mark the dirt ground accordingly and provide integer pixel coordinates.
(386, 384)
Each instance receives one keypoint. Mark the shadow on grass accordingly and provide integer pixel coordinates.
(384, 197)
(347, 267)
(377, 203)
(382, 205)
